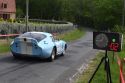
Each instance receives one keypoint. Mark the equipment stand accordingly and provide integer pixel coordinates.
(107, 68)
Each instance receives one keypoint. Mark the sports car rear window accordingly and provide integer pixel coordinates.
(36, 36)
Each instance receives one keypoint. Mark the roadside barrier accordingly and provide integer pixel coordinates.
(120, 63)
(9, 35)
(12, 28)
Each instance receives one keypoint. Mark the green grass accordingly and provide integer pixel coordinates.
(76, 34)
(4, 47)
(100, 77)
(88, 72)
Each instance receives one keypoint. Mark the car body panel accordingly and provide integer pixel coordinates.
(31, 47)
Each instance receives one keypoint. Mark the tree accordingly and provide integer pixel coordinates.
(107, 13)
(101, 14)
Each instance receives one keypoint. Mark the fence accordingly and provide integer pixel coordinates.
(14, 28)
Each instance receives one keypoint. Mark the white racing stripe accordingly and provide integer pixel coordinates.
(26, 46)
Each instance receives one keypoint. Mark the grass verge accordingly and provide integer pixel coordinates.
(73, 35)
(100, 76)
(4, 46)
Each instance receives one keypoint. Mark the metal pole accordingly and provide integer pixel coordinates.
(27, 14)
(123, 15)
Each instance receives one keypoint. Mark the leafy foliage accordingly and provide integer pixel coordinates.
(101, 14)
(107, 13)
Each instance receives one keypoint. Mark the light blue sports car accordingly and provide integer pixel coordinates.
(38, 44)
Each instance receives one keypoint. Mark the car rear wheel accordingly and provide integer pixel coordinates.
(53, 55)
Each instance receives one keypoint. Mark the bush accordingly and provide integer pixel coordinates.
(118, 28)
(11, 20)
(1, 19)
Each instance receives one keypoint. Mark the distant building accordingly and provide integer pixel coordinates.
(7, 9)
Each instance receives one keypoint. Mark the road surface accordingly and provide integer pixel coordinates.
(62, 70)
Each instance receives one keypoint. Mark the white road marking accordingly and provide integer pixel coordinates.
(79, 71)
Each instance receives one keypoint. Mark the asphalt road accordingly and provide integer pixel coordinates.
(62, 70)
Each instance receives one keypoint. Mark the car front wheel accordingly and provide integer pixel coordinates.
(63, 53)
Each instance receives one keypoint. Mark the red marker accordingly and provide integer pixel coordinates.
(114, 46)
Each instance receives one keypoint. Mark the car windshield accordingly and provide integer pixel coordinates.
(36, 36)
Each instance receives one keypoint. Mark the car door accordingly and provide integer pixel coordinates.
(58, 46)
